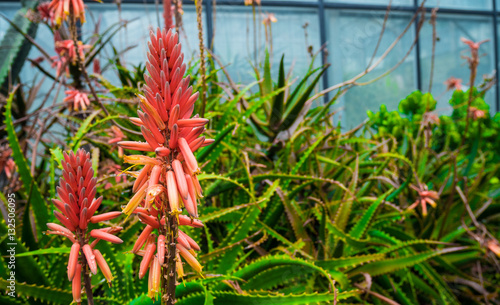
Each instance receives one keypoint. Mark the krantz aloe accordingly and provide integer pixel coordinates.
(77, 205)
(168, 181)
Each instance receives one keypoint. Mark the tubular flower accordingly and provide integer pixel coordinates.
(63, 8)
(116, 136)
(425, 197)
(76, 206)
(46, 14)
(168, 182)
(66, 48)
(77, 98)
(476, 114)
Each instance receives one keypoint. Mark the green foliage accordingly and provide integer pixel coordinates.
(296, 210)
(14, 47)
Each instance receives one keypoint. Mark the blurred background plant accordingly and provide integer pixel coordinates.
(402, 209)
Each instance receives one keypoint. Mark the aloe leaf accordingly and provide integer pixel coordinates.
(241, 230)
(14, 47)
(48, 294)
(267, 85)
(84, 128)
(279, 100)
(390, 265)
(39, 205)
(362, 225)
(60, 250)
(292, 115)
(205, 152)
(222, 297)
(27, 269)
(264, 263)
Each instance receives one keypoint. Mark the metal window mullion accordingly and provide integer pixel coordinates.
(322, 42)
(210, 29)
(417, 47)
(495, 47)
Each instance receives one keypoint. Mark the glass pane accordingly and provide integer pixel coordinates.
(376, 2)
(450, 50)
(461, 4)
(352, 38)
(142, 17)
(295, 30)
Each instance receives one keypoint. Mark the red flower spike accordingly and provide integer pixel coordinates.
(168, 181)
(77, 205)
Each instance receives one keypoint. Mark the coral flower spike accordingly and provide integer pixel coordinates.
(168, 182)
(76, 208)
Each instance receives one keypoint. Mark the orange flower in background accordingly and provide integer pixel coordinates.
(76, 98)
(117, 136)
(268, 18)
(76, 208)
(168, 182)
(453, 83)
(493, 246)
(63, 8)
(66, 48)
(476, 114)
(425, 197)
(46, 13)
(252, 2)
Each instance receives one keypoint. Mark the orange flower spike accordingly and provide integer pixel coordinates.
(101, 262)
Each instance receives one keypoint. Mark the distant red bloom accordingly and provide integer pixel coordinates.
(473, 59)
(61, 9)
(7, 164)
(268, 18)
(476, 114)
(425, 197)
(474, 46)
(112, 168)
(453, 83)
(117, 136)
(77, 205)
(66, 48)
(493, 246)
(76, 98)
(46, 13)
